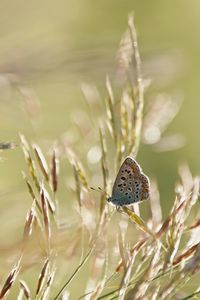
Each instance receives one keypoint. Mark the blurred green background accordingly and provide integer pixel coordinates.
(48, 48)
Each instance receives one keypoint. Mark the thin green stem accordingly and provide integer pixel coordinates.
(191, 295)
(74, 273)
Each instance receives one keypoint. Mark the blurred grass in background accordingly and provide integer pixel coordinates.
(48, 49)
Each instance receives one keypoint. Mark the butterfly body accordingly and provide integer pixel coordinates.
(130, 185)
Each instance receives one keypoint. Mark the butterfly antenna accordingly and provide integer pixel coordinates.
(103, 191)
(100, 190)
(96, 190)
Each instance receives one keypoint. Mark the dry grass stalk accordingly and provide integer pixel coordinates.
(82, 175)
(156, 211)
(119, 151)
(42, 277)
(99, 288)
(81, 182)
(10, 280)
(111, 110)
(45, 214)
(173, 226)
(29, 223)
(122, 249)
(126, 121)
(50, 202)
(104, 167)
(98, 270)
(133, 251)
(29, 161)
(78, 185)
(132, 101)
(138, 94)
(31, 192)
(142, 285)
(195, 224)
(47, 288)
(24, 291)
(41, 161)
(173, 241)
(137, 220)
(126, 277)
(186, 254)
(54, 172)
(192, 266)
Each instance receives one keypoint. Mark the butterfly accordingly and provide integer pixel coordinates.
(130, 185)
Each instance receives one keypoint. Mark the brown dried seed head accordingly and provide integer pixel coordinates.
(164, 227)
(51, 204)
(42, 276)
(134, 251)
(45, 213)
(29, 222)
(54, 172)
(194, 225)
(25, 145)
(25, 289)
(10, 280)
(186, 254)
(41, 161)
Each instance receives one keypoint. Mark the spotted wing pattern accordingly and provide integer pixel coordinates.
(131, 185)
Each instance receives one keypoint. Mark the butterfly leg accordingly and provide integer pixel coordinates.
(132, 208)
(118, 208)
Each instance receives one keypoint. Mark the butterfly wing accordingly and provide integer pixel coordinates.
(131, 185)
